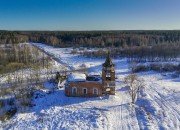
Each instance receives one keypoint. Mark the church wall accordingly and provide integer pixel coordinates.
(90, 86)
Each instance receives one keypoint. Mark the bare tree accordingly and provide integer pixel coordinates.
(135, 84)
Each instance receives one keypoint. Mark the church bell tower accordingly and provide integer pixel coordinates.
(108, 76)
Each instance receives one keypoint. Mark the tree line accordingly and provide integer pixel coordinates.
(91, 38)
(156, 53)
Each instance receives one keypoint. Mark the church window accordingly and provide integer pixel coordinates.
(84, 90)
(95, 91)
(74, 90)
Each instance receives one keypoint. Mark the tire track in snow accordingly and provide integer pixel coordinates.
(173, 114)
(121, 116)
(164, 100)
(169, 107)
(121, 112)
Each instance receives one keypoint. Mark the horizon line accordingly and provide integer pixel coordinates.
(19, 30)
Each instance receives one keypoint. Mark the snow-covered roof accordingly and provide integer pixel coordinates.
(94, 74)
(76, 77)
(6, 97)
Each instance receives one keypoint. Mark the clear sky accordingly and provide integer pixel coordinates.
(89, 14)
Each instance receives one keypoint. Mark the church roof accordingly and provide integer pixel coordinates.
(77, 77)
(108, 62)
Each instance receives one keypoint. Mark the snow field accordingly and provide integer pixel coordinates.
(158, 106)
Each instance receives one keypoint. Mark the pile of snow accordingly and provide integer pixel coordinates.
(76, 77)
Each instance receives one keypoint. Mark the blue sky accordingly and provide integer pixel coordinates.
(89, 14)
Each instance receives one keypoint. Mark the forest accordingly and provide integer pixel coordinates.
(22, 67)
(92, 38)
(136, 45)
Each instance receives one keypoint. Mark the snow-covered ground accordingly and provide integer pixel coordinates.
(158, 106)
(73, 61)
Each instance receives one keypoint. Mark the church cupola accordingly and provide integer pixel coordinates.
(108, 62)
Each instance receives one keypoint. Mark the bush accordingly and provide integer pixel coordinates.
(178, 72)
(169, 67)
(174, 75)
(1, 104)
(8, 114)
(140, 68)
(74, 51)
(11, 102)
(155, 67)
(178, 67)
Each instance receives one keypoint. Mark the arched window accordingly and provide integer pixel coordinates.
(74, 90)
(84, 91)
(95, 91)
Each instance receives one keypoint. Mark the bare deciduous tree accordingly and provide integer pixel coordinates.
(135, 84)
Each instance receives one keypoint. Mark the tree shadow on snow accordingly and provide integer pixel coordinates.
(123, 73)
(123, 89)
(96, 68)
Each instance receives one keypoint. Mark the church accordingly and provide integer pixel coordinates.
(82, 85)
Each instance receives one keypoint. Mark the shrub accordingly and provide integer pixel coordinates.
(169, 67)
(175, 75)
(178, 67)
(155, 67)
(74, 51)
(140, 68)
(2, 103)
(8, 114)
(178, 72)
(11, 102)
